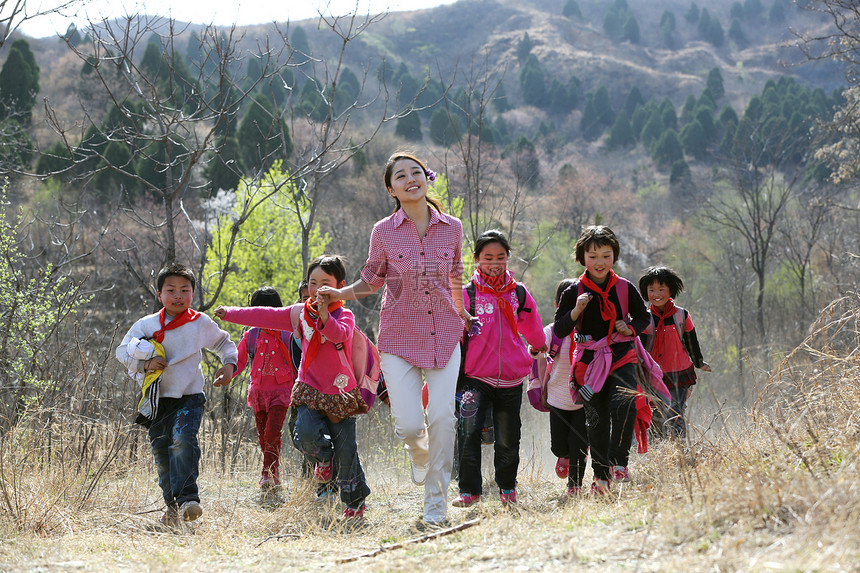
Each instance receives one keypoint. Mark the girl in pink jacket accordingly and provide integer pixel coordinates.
(326, 393)
(496, 365)
(272, 380)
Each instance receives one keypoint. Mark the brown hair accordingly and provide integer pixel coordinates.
(389, 168)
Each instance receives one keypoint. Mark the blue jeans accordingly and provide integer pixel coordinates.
(475, 401)
(323, 441)
(173, 437)
(611, 437)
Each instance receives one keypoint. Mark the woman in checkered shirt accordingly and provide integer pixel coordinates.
(416, 254)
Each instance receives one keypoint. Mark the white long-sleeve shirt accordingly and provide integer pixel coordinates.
(183, 348)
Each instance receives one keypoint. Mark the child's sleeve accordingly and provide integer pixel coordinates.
(529, 323)
(640, 317)
(376, 267)
(218, 341)
(242, 351)
(563, 324)
(337, 329)
(691, 343)
(275, 318)
(122, 354)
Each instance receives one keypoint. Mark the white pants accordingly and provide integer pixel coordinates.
(430, 443)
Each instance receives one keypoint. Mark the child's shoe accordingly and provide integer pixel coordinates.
(466, 500)
(170, 517)
(190, 510)
(323, 471)
(620, 473)
(508, 496)
(562, 467)
(354, 513)
(267, 483)
(600, 487)
(574, 491)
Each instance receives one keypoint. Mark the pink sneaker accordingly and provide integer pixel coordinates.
(507, 496)
(322, 471)
(350, 513)
(620, 473)
(466, 500)
(562, 467)
(574, 491)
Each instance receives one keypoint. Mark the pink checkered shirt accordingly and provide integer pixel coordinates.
(418, 320)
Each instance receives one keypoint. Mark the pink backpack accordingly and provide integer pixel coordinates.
(365, 360)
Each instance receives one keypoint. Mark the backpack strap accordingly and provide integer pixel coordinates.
(554, 343)
(521, 299)
(621, 290)
(680, 319)
(470, 290)
(253, 334)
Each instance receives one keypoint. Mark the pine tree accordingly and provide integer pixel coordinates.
(715, 84)
(652, 129)
(571, 9)
(631, 31)
(633, 100)
(524, 47)
(533, 83)
(621, 134)
(409, 127)
(692, 15)
(263, 135)
(668, 149)
(693, 140)
(19, 83)
(442, 129)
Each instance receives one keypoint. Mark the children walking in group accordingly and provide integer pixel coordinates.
(326, 393)
(567, 431)
(496, 364)
(604, 365)
(178, 397)
(416, 254)
(671, 339)
(271, 388)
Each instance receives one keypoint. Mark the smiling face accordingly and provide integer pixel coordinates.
(598, 262)
(658, 294)
(318, 278)
(408, 182)
(176, 294)
(493, 259)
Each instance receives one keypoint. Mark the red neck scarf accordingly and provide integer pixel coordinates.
(310, 314)
(667, 312)
(506, 284)
(607, 308)
(184, 317)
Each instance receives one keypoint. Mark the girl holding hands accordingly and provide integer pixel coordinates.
(415, 253)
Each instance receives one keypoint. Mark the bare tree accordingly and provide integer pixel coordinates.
(13, 13)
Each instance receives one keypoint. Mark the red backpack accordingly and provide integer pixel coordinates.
(365, 360)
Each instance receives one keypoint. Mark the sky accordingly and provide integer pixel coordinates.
(218, 12)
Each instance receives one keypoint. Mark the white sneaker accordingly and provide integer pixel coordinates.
(419, 473)
(190, 510)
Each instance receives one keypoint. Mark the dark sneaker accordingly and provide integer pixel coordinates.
(170, 517)
(190, 510)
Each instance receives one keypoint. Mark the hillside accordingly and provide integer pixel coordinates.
(448, 39)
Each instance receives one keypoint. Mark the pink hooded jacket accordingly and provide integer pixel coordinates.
(496, 356)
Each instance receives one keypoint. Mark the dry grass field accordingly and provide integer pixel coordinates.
(774, 489)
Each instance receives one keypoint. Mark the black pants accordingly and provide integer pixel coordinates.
(475, 401)
(611, 436)
(569, 439)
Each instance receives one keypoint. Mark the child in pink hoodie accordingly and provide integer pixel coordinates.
(326, 394)
(496, 365)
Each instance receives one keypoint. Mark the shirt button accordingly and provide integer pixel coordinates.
(426, 292)
(422, 254)
(432, 334)
(429, 312)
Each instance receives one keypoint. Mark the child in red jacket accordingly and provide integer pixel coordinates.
(672, 342)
